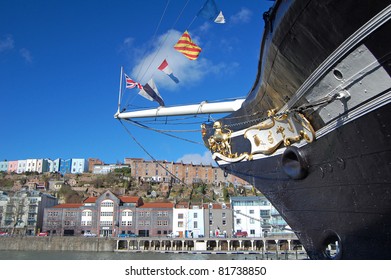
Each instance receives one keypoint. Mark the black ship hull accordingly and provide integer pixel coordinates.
(327, 62)
(346, 194)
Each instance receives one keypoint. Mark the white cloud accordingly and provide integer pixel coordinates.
(162, 48)
(188, 71)
(206, 158)
(243, 16)
(25, 53)
(6, 44)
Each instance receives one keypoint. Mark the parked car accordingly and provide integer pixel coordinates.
(241, 234)
(43, 234)
(2, 233)
(173, 235)
(89, 234)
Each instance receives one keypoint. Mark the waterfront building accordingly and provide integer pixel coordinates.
(257, 216)
(154, 219)
(180, 219)
(110, 215)
(4, 166)
(21, 166)
(218, 219)
(79, 165)
(3, 205)
(247, 215)
(22, 213)
(195, 223)
(12, 166)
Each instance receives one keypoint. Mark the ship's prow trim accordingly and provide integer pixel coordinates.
(265, 137)
(195, 109)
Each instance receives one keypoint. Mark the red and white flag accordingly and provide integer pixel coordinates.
(167, 70)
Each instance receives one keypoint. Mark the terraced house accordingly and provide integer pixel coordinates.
(109, 215)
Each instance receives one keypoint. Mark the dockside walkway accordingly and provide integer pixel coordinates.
(276, 245)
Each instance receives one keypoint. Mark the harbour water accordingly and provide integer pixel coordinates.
(81, 255)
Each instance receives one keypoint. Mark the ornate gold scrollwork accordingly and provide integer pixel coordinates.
(220, 141)
(265, 137)
(287, 128)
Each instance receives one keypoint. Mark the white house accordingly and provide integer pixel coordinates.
(79, 165)
(54, 165)
(31, 165)
(195, 223)
(247, 215)
(180, 219)
(21, 166)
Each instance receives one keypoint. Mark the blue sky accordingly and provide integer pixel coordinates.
(60, 67)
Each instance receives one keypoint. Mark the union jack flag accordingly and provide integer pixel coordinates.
(132, 84)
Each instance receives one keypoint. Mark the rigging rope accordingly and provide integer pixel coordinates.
(165, 133)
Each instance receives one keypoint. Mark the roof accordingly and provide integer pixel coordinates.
(217, 205)
(68, 205)
(245, 198)
(129, 199)
(157, 205)
(91, 199)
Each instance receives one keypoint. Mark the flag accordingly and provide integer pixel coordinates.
(132, 84)
(150, 92)
(211, 12)
(167, 70)
(187, 47)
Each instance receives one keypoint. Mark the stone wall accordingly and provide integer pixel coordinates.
(57, 243)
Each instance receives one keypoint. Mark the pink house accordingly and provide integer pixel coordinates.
(12, 166)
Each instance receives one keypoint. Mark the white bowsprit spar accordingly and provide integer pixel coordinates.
(163, 111)
(194, 109)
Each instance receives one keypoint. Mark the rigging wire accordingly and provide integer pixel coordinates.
(151, 156)
(164, 132)
(153, 37)
(159, 48)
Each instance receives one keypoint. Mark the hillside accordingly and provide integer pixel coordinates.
(74, 188)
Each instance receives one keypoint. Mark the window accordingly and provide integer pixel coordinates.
(195, 225)
(223, 215)
(251, 212)
(265, 213)
(180, 224)
(238, 221)
(252, 231)
(195, 215)
(252, 221)
(107, 203)
(180, 216)
(224, 222)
